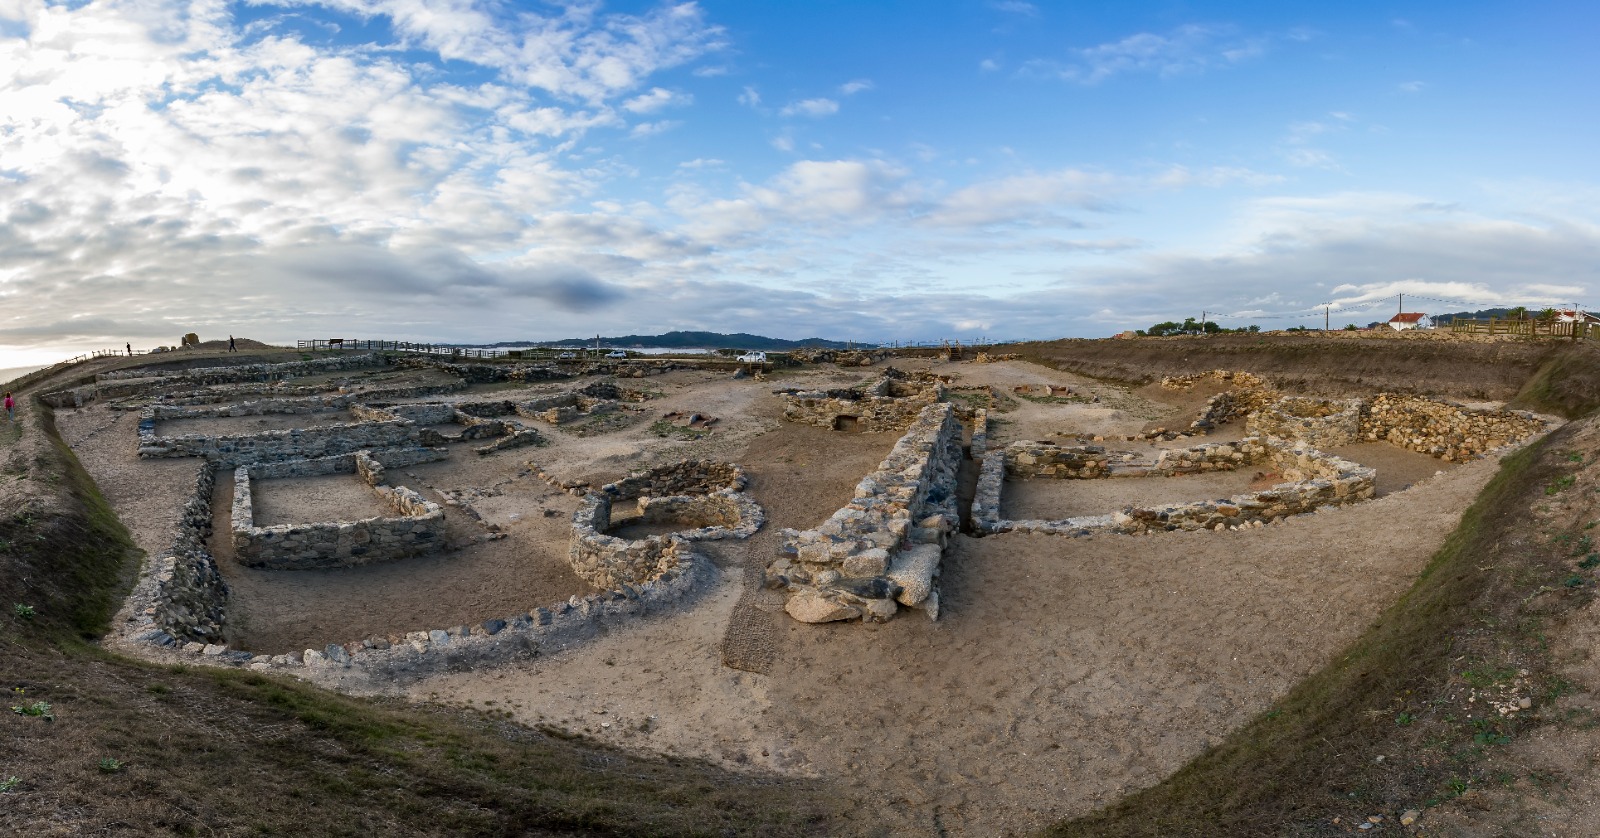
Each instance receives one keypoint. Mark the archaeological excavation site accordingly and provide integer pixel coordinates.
(980, 594)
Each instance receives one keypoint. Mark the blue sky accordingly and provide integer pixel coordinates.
(455, 170)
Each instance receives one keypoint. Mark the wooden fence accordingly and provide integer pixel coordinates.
(1529, 328)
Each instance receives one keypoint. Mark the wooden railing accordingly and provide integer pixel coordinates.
(1529, 328)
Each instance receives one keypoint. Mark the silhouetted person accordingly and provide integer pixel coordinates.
(231, 347)
(11, 407)
(130, 350)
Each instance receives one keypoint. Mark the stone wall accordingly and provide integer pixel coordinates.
(251, 372)
(180, 597)
(232, 450)
(1319, 423)
(1312, 480)
(891, 403)
(704, 496)
(1444, 430)
(418, 525)
(883, 549)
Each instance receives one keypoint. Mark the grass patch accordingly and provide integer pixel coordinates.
(667, 430)
(1415, 687)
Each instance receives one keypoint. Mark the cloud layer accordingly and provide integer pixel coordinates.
(454, 170)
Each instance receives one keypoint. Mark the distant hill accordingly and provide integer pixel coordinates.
(688, 340)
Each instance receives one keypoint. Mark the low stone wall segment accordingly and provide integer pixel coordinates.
(417, 527)
(882, 550)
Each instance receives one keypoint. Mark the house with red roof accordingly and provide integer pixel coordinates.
(1407, 320)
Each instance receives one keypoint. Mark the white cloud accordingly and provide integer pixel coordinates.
(1016, 7)
(1411, 86)
(851, 88)
(649, 129)
(818, 107)
(750, 97)
(988, 65)
(1192, 48)
(657, 98)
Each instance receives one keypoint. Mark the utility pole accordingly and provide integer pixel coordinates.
(1402, 305)
(1203, 321)
(1326, 311)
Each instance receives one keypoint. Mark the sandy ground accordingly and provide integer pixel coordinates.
(305, 500)
(1063, 672)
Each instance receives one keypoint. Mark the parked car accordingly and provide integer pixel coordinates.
(616, 353)
(566, 356)
(753, 358)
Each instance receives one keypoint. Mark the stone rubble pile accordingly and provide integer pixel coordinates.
(883, 549)
(1444, 430)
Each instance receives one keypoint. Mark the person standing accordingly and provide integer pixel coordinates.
(231, 347)
(130, 350)
(11, 407)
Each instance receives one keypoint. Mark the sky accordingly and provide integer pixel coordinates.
(454, 170)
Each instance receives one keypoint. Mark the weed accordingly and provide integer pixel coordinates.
(1590, 561)
(23, 612)
(1573, 581)
(9, 783)
(159, 689)
(1404, 719)
(1482, 678)
(1563, 482)
(110, 766)
(1490, 737)
(1457, 786)
(1574, 457)
(38, 709)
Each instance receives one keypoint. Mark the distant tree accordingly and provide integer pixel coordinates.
(1547, 316)
(1351, 327)
(1518, 313)
(1253, 328)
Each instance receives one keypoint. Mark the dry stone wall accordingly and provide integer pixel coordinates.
(891, 403)
(1312, 480)
(883, 549)
(179, 597)
(233, 450)
(1319, 423)
(418, 525)
(1444, 430)
(706, 497)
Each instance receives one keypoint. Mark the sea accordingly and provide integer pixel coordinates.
(9, 374)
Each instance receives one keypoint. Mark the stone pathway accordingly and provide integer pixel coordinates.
(750, 642)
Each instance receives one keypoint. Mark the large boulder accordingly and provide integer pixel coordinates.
(813, 607)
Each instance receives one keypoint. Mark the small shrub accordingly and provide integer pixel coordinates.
(23, 612)
(110, 766)
(1573, 581)
(9, 783)
(40, 709)
(1404, 719)
(1560, 484)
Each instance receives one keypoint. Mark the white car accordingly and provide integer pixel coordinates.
(616, 353)
(753, 358)
(565, 356)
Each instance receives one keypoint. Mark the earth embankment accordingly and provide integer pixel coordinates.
(1555, 375)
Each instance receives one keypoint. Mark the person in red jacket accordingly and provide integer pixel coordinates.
(11, 407)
